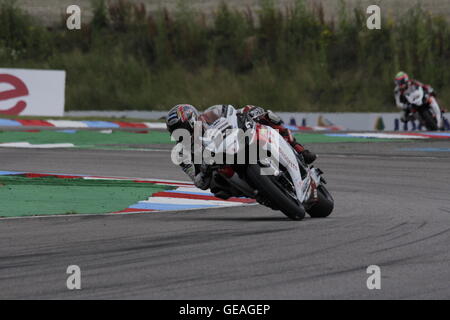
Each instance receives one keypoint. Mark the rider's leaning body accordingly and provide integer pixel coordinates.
(410, 92)
(185, 116)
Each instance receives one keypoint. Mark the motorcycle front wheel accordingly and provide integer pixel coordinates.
(428, 120)
(274, 192)
(324, 205)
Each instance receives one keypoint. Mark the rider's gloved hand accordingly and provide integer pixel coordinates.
(202, 180)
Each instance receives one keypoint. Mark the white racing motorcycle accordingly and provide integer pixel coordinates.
(429, 115)
(256, 162)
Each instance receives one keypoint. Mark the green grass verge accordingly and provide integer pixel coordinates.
(21, 196)
(87, 139)
(126, 140)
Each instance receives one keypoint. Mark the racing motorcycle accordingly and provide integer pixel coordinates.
(421, 110)
(424, 114)
(277, 177)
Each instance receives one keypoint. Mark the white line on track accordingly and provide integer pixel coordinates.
(87, 215)
(362, 156)
(185, 201)
(28, 145)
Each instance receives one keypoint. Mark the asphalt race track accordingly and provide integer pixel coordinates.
(392, 210)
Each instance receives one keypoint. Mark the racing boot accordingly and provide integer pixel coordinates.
(308, 156)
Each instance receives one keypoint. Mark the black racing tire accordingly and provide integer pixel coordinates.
(324, 205)
(428, 120)
(269, 189)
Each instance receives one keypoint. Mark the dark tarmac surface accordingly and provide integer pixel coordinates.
(392, 210)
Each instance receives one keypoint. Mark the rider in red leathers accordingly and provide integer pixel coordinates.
(407, 89)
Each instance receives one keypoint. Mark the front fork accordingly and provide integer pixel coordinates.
(312, 179)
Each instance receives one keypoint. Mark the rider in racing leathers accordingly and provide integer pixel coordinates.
(184, 117)
(271, 119)
(406, 88)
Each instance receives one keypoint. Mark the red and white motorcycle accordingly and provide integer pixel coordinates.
(424, 108)
(252, 160)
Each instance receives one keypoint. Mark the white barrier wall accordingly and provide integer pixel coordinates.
(32, 92)
(347, 120)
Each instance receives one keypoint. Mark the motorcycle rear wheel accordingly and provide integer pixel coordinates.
(271, 190)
